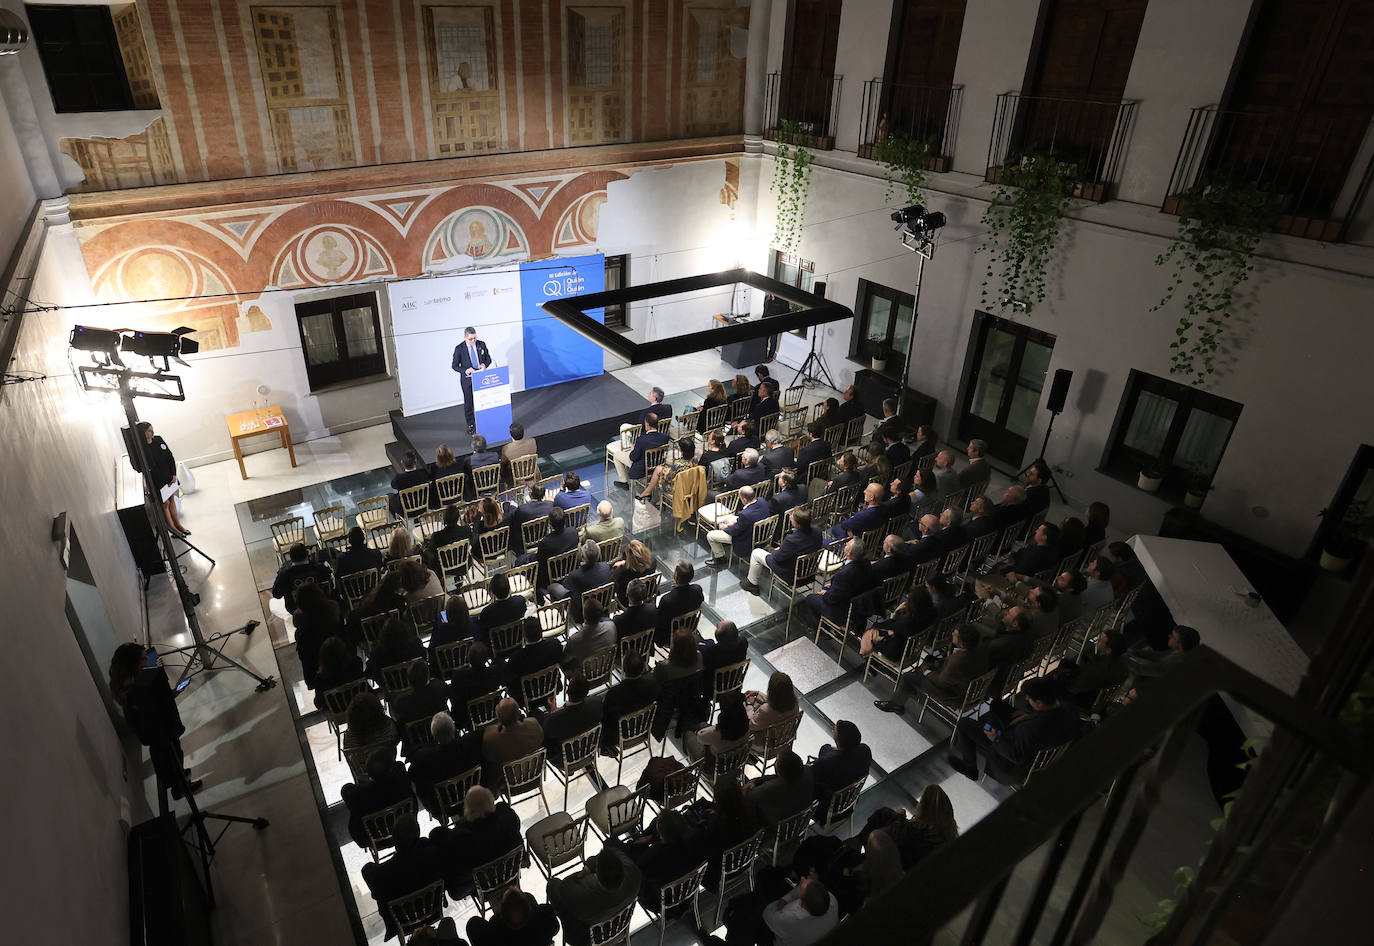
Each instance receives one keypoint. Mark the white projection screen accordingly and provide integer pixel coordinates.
(427, 320)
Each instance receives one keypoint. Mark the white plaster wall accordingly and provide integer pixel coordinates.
(860, 53)
(994, 49)
(19, 196)
(66, 787)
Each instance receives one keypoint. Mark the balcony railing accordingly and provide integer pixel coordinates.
(1087, 135)
(808, 101)
(922, 113)
(1317, 165)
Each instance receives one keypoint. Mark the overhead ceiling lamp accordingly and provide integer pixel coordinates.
(14, 33)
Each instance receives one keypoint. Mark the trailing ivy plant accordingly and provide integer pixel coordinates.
(791, 173)
(1219, 224)
(904, 158)
(1033, 192)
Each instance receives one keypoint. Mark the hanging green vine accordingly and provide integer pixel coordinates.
(1219, 225)
(1033, 192)
(791, 173)
(904, 158)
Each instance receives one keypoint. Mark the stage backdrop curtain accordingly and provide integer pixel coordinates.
(553, 352)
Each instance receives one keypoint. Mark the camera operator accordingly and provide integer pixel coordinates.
(139, 685)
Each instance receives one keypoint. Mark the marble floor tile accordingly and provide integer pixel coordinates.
(807, 665)
(893, 740)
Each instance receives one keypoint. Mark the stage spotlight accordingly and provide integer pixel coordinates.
(932, 220)
(163, 345)
(908, 215)
(102, 342)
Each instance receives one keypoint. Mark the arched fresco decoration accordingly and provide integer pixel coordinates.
(196, 291)
(579, 223)
(330, 253)
(481, 232)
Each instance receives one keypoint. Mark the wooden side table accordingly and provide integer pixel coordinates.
(267, 420)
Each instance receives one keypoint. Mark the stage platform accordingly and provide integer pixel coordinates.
(559, 416)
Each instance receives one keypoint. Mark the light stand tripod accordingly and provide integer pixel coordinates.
(1040, 457)
(813, 369)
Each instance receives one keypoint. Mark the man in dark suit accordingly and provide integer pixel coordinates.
(1011, 738)
(746, 440)
(537, 508)
(1103, 666)
(481, 456)
(869, 517)
(648, 440)
(789, 493)
(928, 547)
(1038, 486)
(739, 531)
(1013, 508)
(977, 472)
(454, 530)
(412, 474)
(981, 520)
(926, 442)
(839, 765)
(952, 534)
(605, 886)
(681, 599)
(830, 417)
(450, 755)
(853, 579)
(776, 455)
(765, 403)
(560, 539)
(892, 562)
(1040, 555)
(660, 410)
(890, 424)
(358, 556)
(470, 356)
(803, 539)
(814, 449)
(729, 648)
(505, 608)
(386, 785)
(298, 568)
(578, 714)
(641, 614)
(537, 654)
(897, 452)
(417, 862)
(750, 470)
(851, 407)
(591, 573)
(635, 690)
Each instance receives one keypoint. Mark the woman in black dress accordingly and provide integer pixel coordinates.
(164, 469)
(142, 690)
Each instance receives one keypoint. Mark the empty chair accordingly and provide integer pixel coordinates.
(597, 668)
(330, 523)
(727, 680)
(579, 758)
(494, 548)
(426, 524)
(522, 578)
(803, 576)
(525, 778)
(288, 532)
(557, 841)
(633, 735)
(616, 811)
(372, 512)
(553, 616)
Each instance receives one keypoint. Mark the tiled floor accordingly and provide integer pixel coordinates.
(268, 754)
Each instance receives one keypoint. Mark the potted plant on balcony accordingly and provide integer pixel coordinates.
(881, 351)
(1345, 536)
(1022, 221)
(906, 158)
(1199, 485)
(1150, 478)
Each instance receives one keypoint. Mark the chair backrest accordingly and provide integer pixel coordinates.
(977, 690)
(580, 751)
(553, 616)
(534, 530)
(429, 522)
(727, 501)
(417, 909)
(846, 497)
(1069, 563)
(356, 757)
(739, 408)
(356, 585)
(537, 687)
(596, 669)
(418, 733)
(818, 470)
(614, 930)
(414, 500)
(372, 627)
(804, 568)
(685, 889)
(642, 642)
(763, 531)
(1092, 552)
(684, 622)
(506, 638)
(487, 479)
(922, 572)
(338, 699)
(482, 709)
(379, 536)
(453, 558)
(957, 498)
(768, 422)
(396, 678)
(651, 584)
(894, 588)
(627, 814)
(374, 511)
(288, 532)
(654, 456)
(610, 548)
(1033, 523)
(496, 875)
(680, 787)
(842, 802)
(902, 470)
(735, 860)
(953, 559)
(378, 825)
(780, 735)
(792, 829)
(687, 423)
(523, 577)
(561, 844)
(792, 397)
(1043, 759)
(634, 727)
(897, 524)
(452, 657)
(729, 761)
(525, 774)
(494, 543)
(423, 613)
(854, 429)
(728, 679)
(395, 563)
(477, 595)
(979, 549)
(525, 470)
(330, 521)
(576, 517)
(562, 564)
(450, 488)
(716, 416)
(926, 462)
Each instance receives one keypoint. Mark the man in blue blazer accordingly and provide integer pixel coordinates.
(814, 449)
(870, 517)
(853, 579)
(739, 531)
(648, 440)
(470, 356)
(789, 492)
(802, 540)
(929, 546)
(750, 471)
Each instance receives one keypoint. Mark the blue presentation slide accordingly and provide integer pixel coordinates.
(553, 352)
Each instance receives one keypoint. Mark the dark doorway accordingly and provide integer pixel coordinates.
(1002, 385)
(808, 69)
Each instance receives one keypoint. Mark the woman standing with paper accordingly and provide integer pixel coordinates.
(163, 466)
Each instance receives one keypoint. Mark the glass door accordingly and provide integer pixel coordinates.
(1003, 388)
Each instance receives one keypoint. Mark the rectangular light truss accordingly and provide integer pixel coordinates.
(572, 312)
(141, 383)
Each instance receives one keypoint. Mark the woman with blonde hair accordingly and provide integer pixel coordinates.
(742, 388)
(715, 396)
(780, 704)
(637, 563)
(402, 544)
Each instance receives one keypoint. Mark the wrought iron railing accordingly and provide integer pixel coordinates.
(1088, 136)
(1046, 865)
(1317, 164)
(808, 101)
(922, 113)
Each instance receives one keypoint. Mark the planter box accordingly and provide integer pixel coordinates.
(1325, 229)
(1097, 192)
(938, 163)
(816, 142)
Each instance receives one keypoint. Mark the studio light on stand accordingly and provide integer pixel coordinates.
(813, 369)
(919, 229)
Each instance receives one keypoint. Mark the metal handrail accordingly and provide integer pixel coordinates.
(782, 102)
(1087, 135)
(925, 113)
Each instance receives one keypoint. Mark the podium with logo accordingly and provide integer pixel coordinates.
(491, 403)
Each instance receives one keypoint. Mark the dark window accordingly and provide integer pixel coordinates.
(81, 59)
(341, 338)
(884, 318)
(617, 277)
(794, 271)
(1177, 430)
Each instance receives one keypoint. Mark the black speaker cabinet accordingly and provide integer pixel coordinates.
(139, 534)
(1059, 390)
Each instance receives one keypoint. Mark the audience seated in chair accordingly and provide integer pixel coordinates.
(737, 531)
(945, 473)
(782, 794)
(607, 525)
(412, 474)
(839, 765)
(488, 829)
(396, 645)
(510, 738)
(359, 556)
(871, 516)
(931, 825)
(416, 863)
(730, 647)
(605, 886)
(538, 653)
(484, 674)
(802, 539)
(578, 714)
(368, 723)
(596, 635)
(387, 784)
(852, 579)
(664, 474)
(504, 608)
(450, 755)
(637, 563)
(520, 920)
(316, 620)
(298, 568)
(537, 507)
(1010, 738)
(572, 494)
(590, 573)
(636, 690)
(337, 665)
(630, 466)
(683, 598)
(780, 704)
(663, 852)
